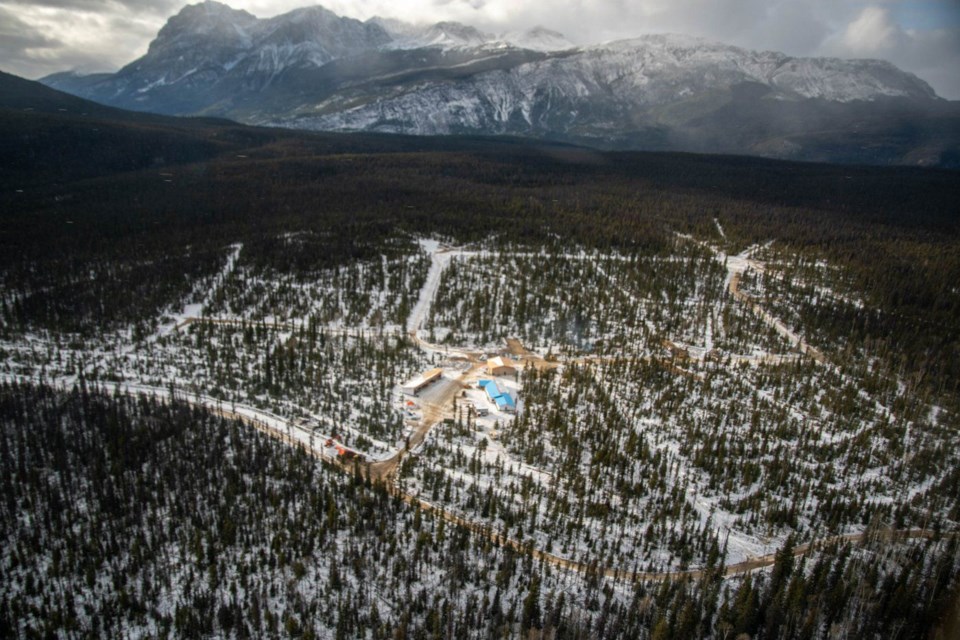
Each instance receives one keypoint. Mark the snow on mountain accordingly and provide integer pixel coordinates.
(196, 45)
(444, 35)
(454, 34)
(211, 40)
(204, 43)
(304, 38)
(316, 36)
(206, 29)
(670, 59)
(313, 69)
(607, 88)
(538, 39)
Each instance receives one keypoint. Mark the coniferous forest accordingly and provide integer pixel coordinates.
(737, 386)
(137, 517)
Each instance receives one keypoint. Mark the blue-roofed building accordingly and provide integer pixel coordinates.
(500, 398)
(491, 387)
(505, 403)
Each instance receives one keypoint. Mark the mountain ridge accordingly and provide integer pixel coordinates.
(311, 69)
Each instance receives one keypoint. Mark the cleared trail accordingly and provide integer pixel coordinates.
(773, 322)
(438, 406)
(290, 327)
(736, 267)
(383, 472)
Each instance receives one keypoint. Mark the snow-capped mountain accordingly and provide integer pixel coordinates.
(441, 34)
(449, 35)
(312, 69)
(312, 36)
(196, 48)
(538, 39)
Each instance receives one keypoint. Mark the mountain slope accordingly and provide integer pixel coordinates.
(665, 92)
(48, 137)
(311, 69)
(611, 87)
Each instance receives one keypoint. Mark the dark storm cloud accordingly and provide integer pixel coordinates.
(793, 27)
(38, 39)
(21, 46)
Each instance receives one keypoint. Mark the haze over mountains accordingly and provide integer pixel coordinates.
(311, 69)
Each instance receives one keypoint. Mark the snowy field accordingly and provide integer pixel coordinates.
(671, 408)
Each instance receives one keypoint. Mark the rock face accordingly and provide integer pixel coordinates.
(614, 87)
(312, 69)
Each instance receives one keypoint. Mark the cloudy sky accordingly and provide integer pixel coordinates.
(38, 37)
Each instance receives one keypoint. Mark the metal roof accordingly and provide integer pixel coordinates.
(499, 397)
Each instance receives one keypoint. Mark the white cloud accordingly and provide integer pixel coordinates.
(932, 54)
(872, 33)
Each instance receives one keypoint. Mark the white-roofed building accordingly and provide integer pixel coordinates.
(499, 367)
(416, 385)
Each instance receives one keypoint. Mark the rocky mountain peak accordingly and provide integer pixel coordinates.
(313, 69)
(200, 33)
(208, 19)
(319, 26)
(453, 34)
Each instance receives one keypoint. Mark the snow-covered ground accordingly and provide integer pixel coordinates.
(677, 418)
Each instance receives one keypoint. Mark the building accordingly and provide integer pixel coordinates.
(497, 367)
(416, 385)
(478, 410)
(500, 398)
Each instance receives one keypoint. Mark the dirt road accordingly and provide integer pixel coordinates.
(436, 402)
(769, 319)
(438, 407)
(516, 347)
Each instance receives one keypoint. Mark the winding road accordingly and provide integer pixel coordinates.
(384, 471)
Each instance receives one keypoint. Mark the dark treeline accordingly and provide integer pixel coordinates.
(89, 254)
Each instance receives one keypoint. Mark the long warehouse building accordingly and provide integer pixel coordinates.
(416, 385)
